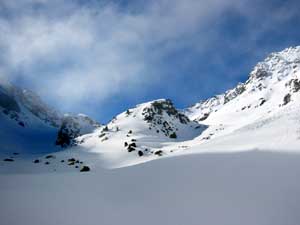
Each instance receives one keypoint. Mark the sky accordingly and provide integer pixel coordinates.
(101, 57)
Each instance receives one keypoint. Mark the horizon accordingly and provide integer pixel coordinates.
(100, 58)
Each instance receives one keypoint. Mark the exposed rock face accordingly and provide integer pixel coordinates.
(9, 103)
(294, 85)
(163, 116)
(24, 107)
(73, 127)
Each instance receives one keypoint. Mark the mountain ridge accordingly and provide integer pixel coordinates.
(251, 116)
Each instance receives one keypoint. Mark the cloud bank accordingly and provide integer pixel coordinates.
(82, 52)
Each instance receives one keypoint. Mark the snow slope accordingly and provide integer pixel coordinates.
(260, 188)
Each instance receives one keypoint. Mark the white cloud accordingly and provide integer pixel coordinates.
(85, 53)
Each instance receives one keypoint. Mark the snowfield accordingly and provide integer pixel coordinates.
(260, 188)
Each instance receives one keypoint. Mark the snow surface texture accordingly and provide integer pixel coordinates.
(224, 189)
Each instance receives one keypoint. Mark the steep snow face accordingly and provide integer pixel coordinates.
(138, 134)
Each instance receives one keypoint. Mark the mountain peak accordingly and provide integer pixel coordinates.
(277, 64)
(279, 67)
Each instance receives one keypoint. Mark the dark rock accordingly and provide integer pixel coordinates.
(130, 132)
(36, 161)
(286, 99)
(262, 101)
(204, 117)
(159, 153)
(71, 160)
(62, 161)
(102, 135)
(71, 163)
(131, 147)
(125, 144)
(140, 153)
(21, 124)
(128, 112)
(85, 169)
(16, 153)
(173, 135)
(47, 163)
(49, 157)
(133, 140)
(76, 167)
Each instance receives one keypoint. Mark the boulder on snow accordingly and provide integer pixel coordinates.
(140, 153)
(36, 161)
(204, 117)
(85, 169)
(159, 153)
(286, 99)
(131, 147)
(173, 135)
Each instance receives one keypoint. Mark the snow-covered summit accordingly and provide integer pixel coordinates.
(138, 134)
(280, 67)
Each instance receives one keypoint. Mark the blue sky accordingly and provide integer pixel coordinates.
(102, 57)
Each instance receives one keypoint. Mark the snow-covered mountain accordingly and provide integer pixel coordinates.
(262, 113)
(30, 125)
(140, 133)
(277, 74)
(259, 114)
